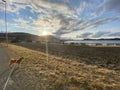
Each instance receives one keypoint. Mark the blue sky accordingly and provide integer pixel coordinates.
(75, 19)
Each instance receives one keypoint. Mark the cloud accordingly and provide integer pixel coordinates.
(115, 34)
(85, 35)
(51, 5)
(21, 21)
(99, 34)
(39, 25)
(14, 6)
(61, 10)
(58, 2)
(2, 22)
(70, 25)
(66, 23)
(51, 14)
(113, 5)
(108, 6)
(20, 24)
(62, 16)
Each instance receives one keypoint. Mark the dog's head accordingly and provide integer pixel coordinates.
(21, 58)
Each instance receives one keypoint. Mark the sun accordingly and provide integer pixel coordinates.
(44, 33)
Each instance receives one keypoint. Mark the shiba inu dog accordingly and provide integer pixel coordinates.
(15, 61)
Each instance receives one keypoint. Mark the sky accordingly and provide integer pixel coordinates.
(65, 19)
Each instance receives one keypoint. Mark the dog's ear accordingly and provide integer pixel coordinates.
(21, 58)
(12, 59)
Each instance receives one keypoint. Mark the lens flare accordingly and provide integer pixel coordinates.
(45, 33)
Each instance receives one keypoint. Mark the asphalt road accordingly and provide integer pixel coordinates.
(4, 59)
(5, 70)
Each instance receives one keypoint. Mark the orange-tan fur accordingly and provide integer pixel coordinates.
(17, 61)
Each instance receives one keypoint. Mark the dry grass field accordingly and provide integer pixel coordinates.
(58, 73)
(107, 57)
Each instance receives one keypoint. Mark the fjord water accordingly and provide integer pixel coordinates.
(95, 41)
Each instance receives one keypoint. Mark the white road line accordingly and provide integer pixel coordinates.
(4, 88)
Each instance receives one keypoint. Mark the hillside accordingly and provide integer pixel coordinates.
(107, 57)
(26, 37)
(36, 73)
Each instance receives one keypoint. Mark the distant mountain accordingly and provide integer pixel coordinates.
(20, 36)
(104, 39)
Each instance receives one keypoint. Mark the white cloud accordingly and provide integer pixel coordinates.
(109, 6)
(21, 21)
(59, 16)
(14, 6)
(2, 22)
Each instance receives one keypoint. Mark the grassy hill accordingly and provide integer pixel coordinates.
(36, 73)
(21, 37)
(107, 57)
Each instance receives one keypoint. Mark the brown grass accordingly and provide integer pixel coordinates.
(36, 73)
(107, 57)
